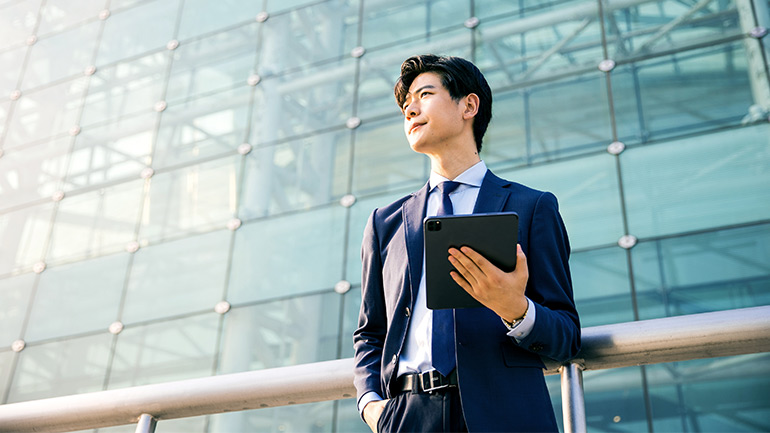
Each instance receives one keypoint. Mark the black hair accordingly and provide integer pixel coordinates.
(459, 76)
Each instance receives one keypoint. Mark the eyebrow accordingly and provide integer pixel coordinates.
(427, 86)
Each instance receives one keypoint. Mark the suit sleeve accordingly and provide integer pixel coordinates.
(556, 332)
(369, 337)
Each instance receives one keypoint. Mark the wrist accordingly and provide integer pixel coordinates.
(512, 319)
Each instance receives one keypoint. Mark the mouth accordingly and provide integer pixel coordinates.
(415, 126)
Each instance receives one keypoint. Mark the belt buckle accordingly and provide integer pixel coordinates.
(432, 381)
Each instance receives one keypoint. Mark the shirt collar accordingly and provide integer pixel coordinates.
(472, 176)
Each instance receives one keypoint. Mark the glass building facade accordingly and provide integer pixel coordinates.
(184, 184)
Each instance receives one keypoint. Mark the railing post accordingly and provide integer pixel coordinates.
(146, 424)
(572, 400)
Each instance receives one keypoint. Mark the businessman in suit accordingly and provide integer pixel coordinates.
(474, 369)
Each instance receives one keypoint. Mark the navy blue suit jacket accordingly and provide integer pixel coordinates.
(501, 382)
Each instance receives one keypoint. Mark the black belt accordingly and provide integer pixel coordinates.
(429, 381)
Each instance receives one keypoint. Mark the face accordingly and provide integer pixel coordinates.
(433, 122)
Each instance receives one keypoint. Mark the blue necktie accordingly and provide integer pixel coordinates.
(443, 347)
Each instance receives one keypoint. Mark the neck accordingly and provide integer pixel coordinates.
(452, 165)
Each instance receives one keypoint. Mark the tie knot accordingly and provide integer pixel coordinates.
(447, 187)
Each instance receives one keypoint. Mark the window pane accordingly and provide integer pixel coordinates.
(62, 55)
(165, 351)
(313, 417)
(12, 61)
(194, 199)
(15, 293)
(77, 298)
(266, 335)
(601, 286)
(388, 22)
(61, 368)
(146, 27)
(288, 255)
(506, 143)
(126, 88)
(17, 21)
(96, 223)
(119, 149)
(589, 200)
(32, 172)
(706, 272)
(61, 14)
(6, 362)
(24, 233)
(177, 277)
(296, 175)
(203, 16)
(692, 184)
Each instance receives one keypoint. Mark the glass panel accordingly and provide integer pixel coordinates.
(63, 55)
(515, 9)
(664, 97)
(165, 351)
(323, 31)
(506, 141)
(314, 417)
(77, 298)
(17, 21)
(543, 43)
(24, 233)
(711, 395)
(5, 108)
(303, 102)
(388, 22)
(706, 272)
(276, 334)
(589, 200)
(380, 69)
(129, 87)
(12, 61)
(296, 175)
(352, 307)
(193, 199)
(120, 149)
(177, 277)
(61, 368)
(6, 362)
(46, 112)
(61, 14)
(289, 255)
(223, 60)
(203, 16)
(348, 419)
(698, 182)
(601, 285)
(146, 27)
(34, 172)
(97, 222)
(383, 160)
(15, 294)
(194, 129)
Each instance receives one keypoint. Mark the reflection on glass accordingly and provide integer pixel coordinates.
(506, 142)
(46, 112)
(698, 183)
(294, 331)
(297, 175)
(24, 234)
(287, 255)
(15, 293)
(202, 16)
(62, 55)
(601, 286)
(148, 26)
(96, 223)
(77, 298)
(588, 196)
(388, 22)
(706, 272)
(33, 172)
(59, 15)
(711, 395)
(215, 62)
(127, 88)
(61, 368)
(165, 351)
(17, 21)
(12, 61)
(177, 277)
(191, 200)
(118, 149)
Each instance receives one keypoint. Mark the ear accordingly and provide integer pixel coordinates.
(471, 106)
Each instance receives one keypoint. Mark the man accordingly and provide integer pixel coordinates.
(494, 379)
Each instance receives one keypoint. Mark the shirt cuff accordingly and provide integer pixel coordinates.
(365, 399)
(522, 329)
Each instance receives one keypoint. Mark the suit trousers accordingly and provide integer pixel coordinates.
(440, 411)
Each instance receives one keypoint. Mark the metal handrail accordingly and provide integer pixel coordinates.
(706, 335)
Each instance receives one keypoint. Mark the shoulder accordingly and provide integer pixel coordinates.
(522, 192)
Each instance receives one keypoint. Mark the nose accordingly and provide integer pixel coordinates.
(411, 110)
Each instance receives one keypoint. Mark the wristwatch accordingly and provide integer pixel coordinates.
(511, 325)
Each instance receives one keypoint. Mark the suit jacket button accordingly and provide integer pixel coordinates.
(536, 347)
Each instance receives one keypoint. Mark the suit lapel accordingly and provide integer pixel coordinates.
(493, 194)
(414, 213)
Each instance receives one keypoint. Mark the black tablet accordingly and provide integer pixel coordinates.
(494, 235)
